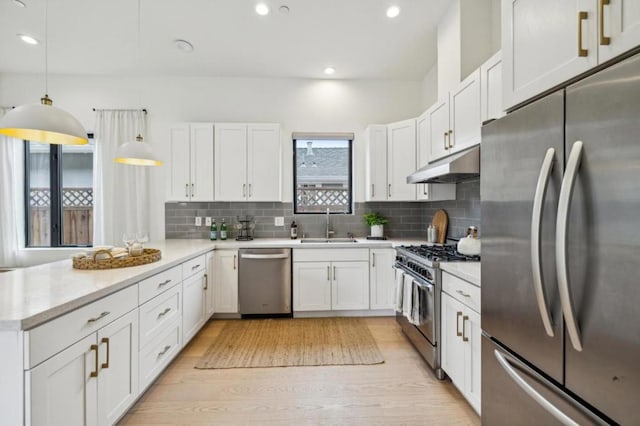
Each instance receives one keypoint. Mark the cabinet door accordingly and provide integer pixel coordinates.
(540, 53)
(118, 374)
(491, 88)
(178, 164)
(62, 389)
(209, 303)
(311, 286)
(201, 162)
(264, 181)
(453, 348)
(381, 278)
(231, 162)
(349, 285)
(621, 20)
(422, 139)
(439, 130)
(465, 114)
(376, 163)
(226, 282)
(193, 305)
(473, 363)
(401, 160)
(436, 191)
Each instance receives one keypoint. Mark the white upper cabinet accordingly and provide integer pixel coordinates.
(540, 53)
(491, 88)
(428, 191)
(464, 118)
(619, 27)
(376, 176)
(248, 162)
(454, 123)
(391, 156)
(191, 162)
(401, 160)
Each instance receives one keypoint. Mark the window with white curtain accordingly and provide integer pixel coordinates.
(58, 195)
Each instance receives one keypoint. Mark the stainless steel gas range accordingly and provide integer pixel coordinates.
(419, 286)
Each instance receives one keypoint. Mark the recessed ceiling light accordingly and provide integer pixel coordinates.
(19, 3)
(262, 9)
(393, 11)
(28, 39)
(329, 70)
(183, 46)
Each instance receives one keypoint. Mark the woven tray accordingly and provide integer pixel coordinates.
(147, 256)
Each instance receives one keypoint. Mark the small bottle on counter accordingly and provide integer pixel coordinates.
(223, 230)
(294, 230)
(214, 231)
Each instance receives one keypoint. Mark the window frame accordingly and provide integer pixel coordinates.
(322, 136)
(55, 188)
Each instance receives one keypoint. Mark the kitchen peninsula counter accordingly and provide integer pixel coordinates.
(32, 296)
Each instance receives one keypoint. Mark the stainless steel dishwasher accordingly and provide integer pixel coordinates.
(264, 281)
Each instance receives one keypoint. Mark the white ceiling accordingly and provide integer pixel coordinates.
(230, 39)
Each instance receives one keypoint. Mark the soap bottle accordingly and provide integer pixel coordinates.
(294, 230)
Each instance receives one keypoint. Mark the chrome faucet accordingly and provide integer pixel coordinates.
(328, 232)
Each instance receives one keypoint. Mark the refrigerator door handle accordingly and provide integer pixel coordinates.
(573, 163)
(536, 225)
(529, 390)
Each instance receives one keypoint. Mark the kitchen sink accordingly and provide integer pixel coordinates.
(329, 240)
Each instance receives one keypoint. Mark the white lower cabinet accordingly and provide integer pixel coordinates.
(312, 286)
(330, 279)
(193, 305)
(461, 338)
(226, 281)
(350, 285)
(209, 303)
(381, 278)
(92, 382)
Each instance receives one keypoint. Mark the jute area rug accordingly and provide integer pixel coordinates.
(292, 342)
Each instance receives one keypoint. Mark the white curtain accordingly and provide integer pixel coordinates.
(121, 192)
(11, 190)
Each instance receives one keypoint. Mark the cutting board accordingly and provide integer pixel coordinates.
(440, 221)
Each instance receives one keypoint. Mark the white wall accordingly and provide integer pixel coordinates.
(299, 105)
(430, 88)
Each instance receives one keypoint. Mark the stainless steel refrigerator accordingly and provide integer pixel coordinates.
(560, 190)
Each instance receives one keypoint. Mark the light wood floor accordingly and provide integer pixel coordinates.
(402, 391)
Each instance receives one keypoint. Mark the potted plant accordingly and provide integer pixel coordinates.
(376, 221)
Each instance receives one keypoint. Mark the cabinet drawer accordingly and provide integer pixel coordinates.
(331, 254)
(159, 283)
(50, 338)
(157, 354)
(193, 266)
(461, 290)
(158, 312)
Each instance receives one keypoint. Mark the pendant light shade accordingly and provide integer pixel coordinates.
(137, 153)
(43, 123)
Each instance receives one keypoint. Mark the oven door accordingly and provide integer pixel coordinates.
(423, 314)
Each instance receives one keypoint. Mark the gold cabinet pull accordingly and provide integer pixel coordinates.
(94, 373)
(464, 336)
(444, 138)
(604, 40)
(458, 315)
(106, 341)
(582, 15)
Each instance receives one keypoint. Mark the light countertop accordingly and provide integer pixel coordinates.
(34, 295)
(469, 271)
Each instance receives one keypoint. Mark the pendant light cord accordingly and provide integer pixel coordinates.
(46, 47)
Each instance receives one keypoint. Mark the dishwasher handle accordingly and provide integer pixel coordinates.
(264, 256)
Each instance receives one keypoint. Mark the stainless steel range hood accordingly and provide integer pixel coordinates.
(457, 168)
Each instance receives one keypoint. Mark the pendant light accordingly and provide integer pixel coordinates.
(137, 153)
(43, 122)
